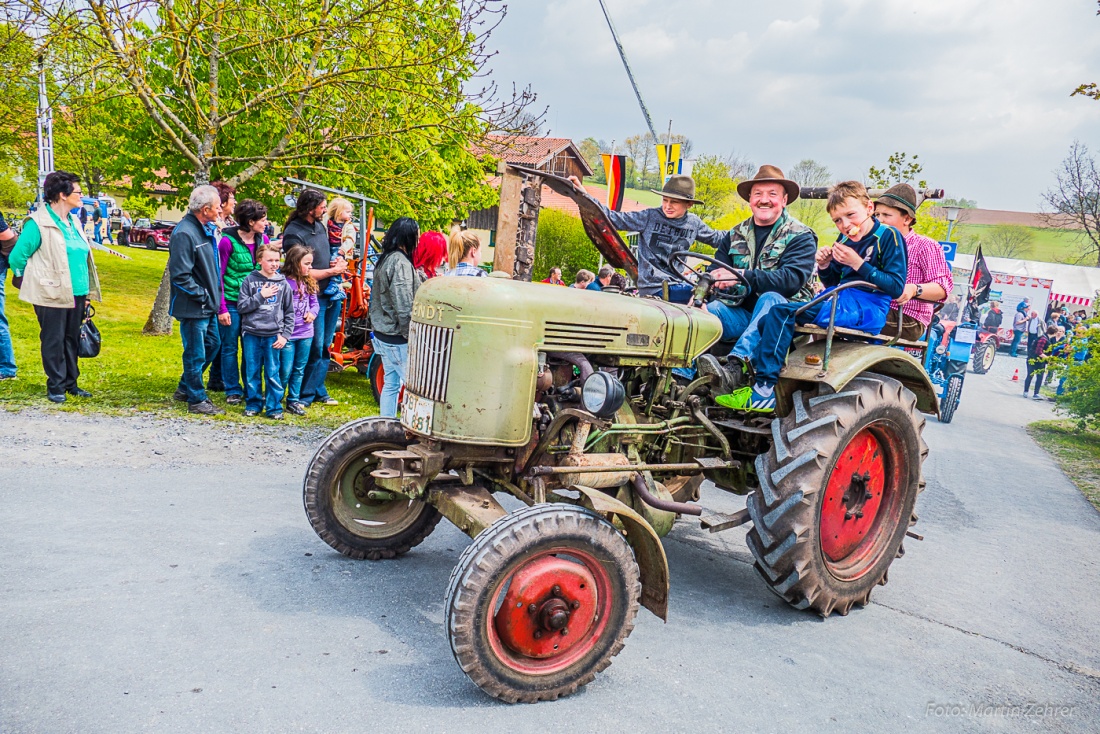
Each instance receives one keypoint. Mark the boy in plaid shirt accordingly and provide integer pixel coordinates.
(928, 279)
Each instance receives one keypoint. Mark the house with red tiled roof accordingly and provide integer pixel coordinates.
(559, 156)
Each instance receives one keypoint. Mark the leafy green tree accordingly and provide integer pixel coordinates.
(561, 242)
(19, 92)
(1081, 397)
(140, 205)
(715, 187)
(15, 191)
(591, 151)
(900, 168)
(377, 96)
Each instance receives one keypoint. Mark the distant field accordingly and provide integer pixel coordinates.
(642, 196)
(1050, 245)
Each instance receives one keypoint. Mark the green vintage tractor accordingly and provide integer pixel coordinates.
(566, 400)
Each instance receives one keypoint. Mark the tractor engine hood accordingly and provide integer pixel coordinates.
(474, 348)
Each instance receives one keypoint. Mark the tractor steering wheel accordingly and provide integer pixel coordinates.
(678, 264)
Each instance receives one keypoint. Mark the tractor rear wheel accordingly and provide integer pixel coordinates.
(951, 398)
(541, 602)
(984, 354)
(837, 490)
(337, 499)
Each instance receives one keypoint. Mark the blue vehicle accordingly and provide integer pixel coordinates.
(945, 362)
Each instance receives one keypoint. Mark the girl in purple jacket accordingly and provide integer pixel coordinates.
(295, 354)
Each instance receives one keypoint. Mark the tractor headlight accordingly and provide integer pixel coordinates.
(602, 394)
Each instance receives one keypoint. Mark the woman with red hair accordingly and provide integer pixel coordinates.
(429, 255)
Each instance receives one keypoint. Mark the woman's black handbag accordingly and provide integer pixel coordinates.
(90, 339)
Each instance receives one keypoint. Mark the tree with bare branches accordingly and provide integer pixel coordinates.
(1075, 199)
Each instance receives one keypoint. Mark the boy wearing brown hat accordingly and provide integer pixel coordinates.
(662, 231)
(866, 250)
(928, 278)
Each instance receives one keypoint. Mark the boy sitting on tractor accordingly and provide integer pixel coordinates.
(866, 250)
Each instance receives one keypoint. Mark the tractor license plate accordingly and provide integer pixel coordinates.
(964, 336)
(416, 413)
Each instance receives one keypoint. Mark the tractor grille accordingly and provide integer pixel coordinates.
(567, 337)
(429, 360)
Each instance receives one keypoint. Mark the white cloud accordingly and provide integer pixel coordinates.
(979, 88)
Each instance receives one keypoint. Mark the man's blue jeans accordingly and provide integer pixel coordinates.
(293, 367)
(855, 309)
(395, 358)
(230, 337)
(741, 324)
(324, 327)
(200, 338)
(1016, 337)
(7, 354)
(261, 362)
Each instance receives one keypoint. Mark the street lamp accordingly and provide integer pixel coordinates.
(952, 213)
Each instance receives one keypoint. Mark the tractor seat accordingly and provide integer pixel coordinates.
(856, 335)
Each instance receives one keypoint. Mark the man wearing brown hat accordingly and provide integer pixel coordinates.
(774, 254)
(928, 279)
(662, 231)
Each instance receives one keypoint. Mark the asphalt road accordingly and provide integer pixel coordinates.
(161, 576)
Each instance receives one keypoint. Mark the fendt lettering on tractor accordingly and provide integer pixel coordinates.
(566, 401)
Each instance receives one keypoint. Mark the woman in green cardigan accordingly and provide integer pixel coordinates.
(59, 278)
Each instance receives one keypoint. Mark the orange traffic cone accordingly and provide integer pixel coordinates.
(1016, 375)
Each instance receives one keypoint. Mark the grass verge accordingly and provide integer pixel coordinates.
(1077, 452)
(136, 373)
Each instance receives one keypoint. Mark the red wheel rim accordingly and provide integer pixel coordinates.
(560, 590)
(380, 375)
(861, 506)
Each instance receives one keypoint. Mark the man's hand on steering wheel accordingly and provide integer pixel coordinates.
(725, 278)
(721, 277)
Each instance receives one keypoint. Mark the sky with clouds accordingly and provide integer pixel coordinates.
(978, 88)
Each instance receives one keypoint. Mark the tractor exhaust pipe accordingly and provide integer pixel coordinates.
(657, 503)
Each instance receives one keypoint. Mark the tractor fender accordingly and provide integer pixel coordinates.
(648, 550)
(850, 359)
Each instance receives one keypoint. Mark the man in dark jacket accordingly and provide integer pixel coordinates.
(196, 293)
(773, 253)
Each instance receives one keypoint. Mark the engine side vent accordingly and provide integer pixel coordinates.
(429, 360)
(565, 336)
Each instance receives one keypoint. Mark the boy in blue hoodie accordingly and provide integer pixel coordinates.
(266, 306)
(866, 250)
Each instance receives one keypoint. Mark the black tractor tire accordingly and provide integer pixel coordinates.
(377, 375)
(951, 398)
(150, 244)
(837, 492)
(335, 495)
(984, 355)
(504, 583)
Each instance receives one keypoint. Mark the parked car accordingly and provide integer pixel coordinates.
(152, 235)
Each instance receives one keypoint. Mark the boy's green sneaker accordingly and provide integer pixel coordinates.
(749, 400)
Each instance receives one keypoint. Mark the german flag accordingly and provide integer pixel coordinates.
(615, 168)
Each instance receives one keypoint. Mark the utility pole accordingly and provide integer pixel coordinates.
(629, 73)
(45, 130)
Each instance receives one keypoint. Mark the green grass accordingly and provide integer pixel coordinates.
(136, 373)
(1076, 451)
(642, 196)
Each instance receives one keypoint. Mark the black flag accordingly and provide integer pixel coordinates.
(981, 282)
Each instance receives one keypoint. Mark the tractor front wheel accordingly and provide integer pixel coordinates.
(837, 491)
(951, 398)
(541, 602)
(345, 507)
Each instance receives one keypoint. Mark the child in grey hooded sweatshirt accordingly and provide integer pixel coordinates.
(266, 307)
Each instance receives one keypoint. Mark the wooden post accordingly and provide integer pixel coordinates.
(517, 222)
(511, 193)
